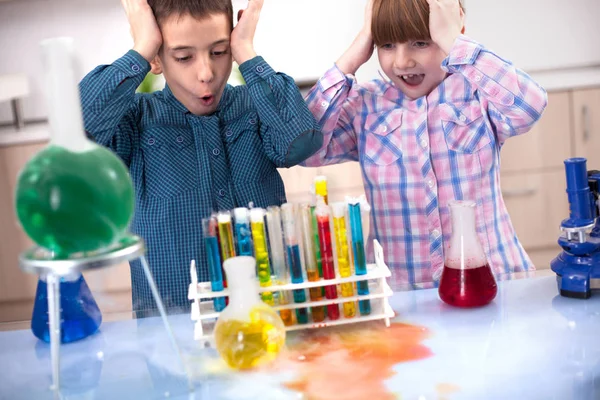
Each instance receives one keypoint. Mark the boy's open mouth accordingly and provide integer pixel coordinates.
(207, 100)
(413, 79)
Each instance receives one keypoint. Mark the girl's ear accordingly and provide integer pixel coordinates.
(462, 17)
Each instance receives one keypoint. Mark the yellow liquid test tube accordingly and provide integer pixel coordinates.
(320, 183)
(343, 255)
(225, 235)
(261, 253)
(281, 271)
(312, 270)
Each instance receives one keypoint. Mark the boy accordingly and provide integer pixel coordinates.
(199, 145)
(429, 135)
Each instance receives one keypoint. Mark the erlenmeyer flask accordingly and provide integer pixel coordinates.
(467, 279)
(80, 316)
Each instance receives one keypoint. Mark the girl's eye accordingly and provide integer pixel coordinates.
(421, 44)
(183, 59)
(387, 46)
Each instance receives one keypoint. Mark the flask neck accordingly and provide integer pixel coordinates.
(241, 280)
(465, 249)
(62, 95)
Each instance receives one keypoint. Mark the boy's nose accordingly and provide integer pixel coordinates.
(205, 74)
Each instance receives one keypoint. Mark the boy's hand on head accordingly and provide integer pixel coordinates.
(144, 29)
(446, 21)
(242, 37)
(361, 49)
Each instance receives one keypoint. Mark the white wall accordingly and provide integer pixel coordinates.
(301, 38)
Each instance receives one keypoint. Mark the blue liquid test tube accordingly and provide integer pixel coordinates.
(358, 251)
(243, 234)
(293, 257)
(215, 271)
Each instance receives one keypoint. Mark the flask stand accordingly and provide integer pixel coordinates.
(39, 261)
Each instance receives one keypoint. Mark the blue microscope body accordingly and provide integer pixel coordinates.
(577, 268)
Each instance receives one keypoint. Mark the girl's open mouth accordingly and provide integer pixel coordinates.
(413, 79)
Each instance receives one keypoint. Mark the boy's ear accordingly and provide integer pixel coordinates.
(156, 66)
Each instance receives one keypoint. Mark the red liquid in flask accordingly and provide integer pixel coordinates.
(471, 287)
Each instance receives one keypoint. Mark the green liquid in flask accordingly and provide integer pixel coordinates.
(70, 202)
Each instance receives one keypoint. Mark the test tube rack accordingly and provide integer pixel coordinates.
(204, 314)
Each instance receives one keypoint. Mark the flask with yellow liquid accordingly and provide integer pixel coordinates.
(249, 333)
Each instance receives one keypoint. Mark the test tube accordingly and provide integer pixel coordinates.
(358, 250)
(243, 234)
(281, 271)
(261, 253)
(343, 255)
(215, 271)
(310, 261)
(320, 183)
(293, 257)
(324, 231)
(225, 235)
(317, 245)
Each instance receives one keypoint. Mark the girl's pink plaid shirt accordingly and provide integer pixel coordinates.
(417, 155)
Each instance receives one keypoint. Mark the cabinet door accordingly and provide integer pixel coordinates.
(14, 284)
(537, 203)
(586, 112)
(548, 143)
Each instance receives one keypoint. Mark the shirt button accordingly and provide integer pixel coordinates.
(221, 193)
(252, 121)
(216, 152)
(151, 141)
(430, 183)
(324, 104)
(507, 127)
(477, 78)
(424, 143)
(179, 139)
(384, 129)
(259, 69)
(462, 118)
(135, 68)
(229, 132)
(435, 233)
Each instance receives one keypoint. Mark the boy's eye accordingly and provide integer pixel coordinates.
(218, 53)
(421, 44)
(183, 59)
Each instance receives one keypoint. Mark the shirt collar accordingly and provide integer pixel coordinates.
(392, 93)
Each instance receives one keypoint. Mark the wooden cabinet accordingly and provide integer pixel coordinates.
(586, 125)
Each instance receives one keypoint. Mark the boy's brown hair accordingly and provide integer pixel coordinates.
(399, 21)
(198, 9)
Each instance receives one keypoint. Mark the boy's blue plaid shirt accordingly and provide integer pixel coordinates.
(184, 166)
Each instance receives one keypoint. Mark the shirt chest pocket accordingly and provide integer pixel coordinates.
(247, 159)
(465, 129)
(383, 138)
(170, 164)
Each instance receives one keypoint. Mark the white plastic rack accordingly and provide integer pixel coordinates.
(204, 314)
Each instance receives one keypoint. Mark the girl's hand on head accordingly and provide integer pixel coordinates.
(361, 49)
(446, 22)
(143, 27)
(242, 37)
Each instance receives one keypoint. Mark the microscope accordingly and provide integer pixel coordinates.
(577, 267)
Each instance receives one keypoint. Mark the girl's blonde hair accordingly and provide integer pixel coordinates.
(399, 21)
